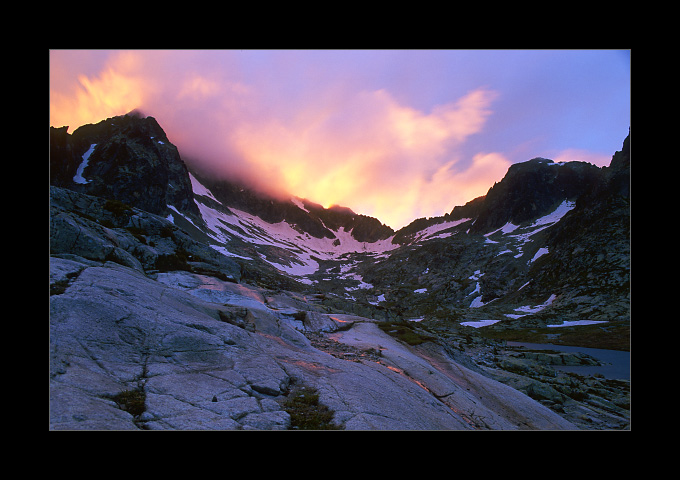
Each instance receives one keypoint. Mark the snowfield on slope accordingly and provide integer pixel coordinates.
(252, 229)
(520, 235)
(432, 231)
(306, 251)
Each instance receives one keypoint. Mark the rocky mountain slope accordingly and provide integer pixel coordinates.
(183, 302)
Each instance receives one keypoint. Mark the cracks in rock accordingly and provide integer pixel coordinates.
(60, 286)
(131, 399)
(94, 358)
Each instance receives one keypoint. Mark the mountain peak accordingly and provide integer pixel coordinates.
(135, 113)
(126, 158)
(533, 188)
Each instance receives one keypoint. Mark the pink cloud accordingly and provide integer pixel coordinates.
(339, 144)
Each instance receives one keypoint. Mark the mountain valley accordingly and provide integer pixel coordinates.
(215, 303)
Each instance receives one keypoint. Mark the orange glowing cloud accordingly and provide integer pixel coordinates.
(377, 156)
(358, 148)
(91, 100)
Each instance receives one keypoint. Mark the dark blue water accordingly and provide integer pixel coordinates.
(616, 364)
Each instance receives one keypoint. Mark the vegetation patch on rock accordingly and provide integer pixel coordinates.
(132, 401)
(306, 413)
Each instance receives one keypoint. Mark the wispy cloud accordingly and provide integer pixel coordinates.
(89, 99)
(312, 129)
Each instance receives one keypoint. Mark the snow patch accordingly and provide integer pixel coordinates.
(523, 233)
(545, 221)
(78, 177)
(174, 209)
(479, 323)
(477, 302)
(476, 275)
(568, 323)
(476, 290)
(307, 266)
(537, 308)
(380, 298)
(539, 253)
(556, 215)
(199, 189)
(227, 253)
(507, 228)
(298, 204)
(432, 231)
(362, 286)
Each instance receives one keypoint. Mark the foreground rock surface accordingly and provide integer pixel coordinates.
(202, 353)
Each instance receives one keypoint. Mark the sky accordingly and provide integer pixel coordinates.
(394, 134)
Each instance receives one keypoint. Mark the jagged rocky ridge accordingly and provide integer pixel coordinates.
(293, 277)
(126, 158)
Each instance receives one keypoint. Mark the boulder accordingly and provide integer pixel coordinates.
(319, 322)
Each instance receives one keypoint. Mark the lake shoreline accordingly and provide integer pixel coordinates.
(615, 363)
(614, 335)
